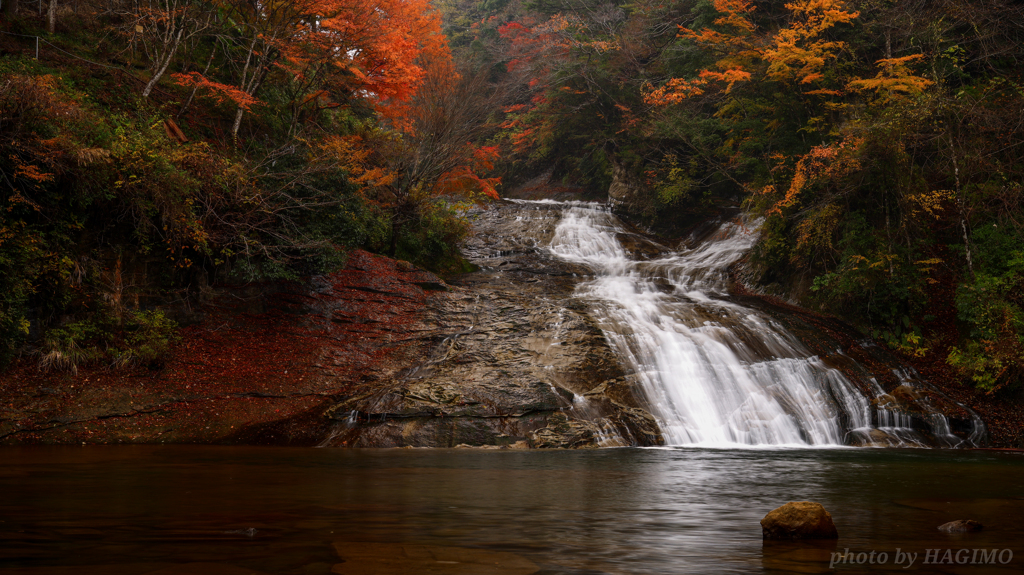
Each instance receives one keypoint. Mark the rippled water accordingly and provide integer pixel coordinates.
(214, 510)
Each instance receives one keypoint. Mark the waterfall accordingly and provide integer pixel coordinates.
(714, 373)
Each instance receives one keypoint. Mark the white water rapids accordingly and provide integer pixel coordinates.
(714, 373)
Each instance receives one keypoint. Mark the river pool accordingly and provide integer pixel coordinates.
(235, 510)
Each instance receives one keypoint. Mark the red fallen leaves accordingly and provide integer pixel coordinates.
(267, 358)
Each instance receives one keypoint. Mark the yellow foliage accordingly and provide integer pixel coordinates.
(794, 53)
(815, 233)
(928, 263)
(883, 261)
(929, 203)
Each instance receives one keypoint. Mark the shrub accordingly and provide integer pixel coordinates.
(139, 339)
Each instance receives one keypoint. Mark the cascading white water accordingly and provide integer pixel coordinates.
(715, 373)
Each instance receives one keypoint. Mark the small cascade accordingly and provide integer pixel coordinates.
(605, 434)
(716, 373)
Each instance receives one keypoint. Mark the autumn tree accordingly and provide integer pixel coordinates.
(575, 73)
(431, 153)
(329, 52)
(160, 27)
(362, 49)
(846, 126)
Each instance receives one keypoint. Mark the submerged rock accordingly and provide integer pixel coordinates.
(363, 558)
(798, 520)
(961, 526)
(872, 438)
(562, 432)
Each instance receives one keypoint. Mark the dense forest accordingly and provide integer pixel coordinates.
(158, 147)
(878, 142)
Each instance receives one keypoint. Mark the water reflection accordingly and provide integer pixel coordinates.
(290, 511)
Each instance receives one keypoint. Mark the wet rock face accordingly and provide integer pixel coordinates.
(513, 357)
(625, 187)
(798, 520)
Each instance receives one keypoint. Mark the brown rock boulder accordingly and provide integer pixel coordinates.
(961, 526)
(798, 520)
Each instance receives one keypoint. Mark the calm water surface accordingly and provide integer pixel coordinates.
(234, 510)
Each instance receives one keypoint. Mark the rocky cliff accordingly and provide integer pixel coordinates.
(380, 354)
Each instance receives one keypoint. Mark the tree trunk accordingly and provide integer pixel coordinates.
(238, 123)
(10, 8)
(257, 81)
(162, 67)
(152, 82)
(962, 211)
(51, 17)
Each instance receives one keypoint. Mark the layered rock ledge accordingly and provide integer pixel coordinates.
(380, 354)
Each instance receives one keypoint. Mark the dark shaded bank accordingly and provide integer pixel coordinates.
(261, 367)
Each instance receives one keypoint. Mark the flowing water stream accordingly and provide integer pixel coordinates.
(717, 373)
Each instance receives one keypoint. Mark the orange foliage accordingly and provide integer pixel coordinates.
(29, 172)
(335, 50)
(732, 17)
(366, 167)
(894, 79)
(464, 180)
(220, 93)
(738, 46)
(823, 163)
(678, 89)
(377, 45)
(796, 52)
(674, 91)
(355, 156)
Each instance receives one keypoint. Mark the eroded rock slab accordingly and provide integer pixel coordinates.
(516, 358)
